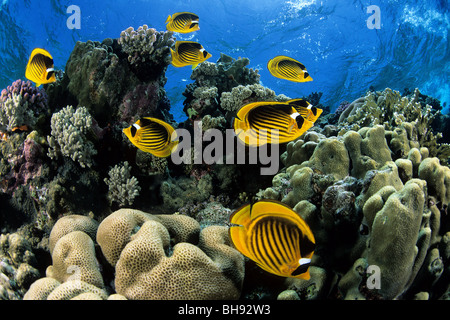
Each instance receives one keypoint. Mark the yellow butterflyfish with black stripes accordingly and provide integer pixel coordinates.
(287, 68)
(40, 68)
(188, 53)
(153, 135)
(182, 22)
(260, 123)
(275, 237)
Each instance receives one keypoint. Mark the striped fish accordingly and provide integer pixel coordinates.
(152, 135)
(258, 123)
(40, 68)
(275, 237)
(182, 22)
(287, 68)
(188, 53)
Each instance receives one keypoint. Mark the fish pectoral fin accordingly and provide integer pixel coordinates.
(194, 66)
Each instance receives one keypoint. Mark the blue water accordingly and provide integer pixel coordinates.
(343, 55)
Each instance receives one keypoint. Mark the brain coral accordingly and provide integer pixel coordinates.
(74, 259)
(70, 223)
(149, 267)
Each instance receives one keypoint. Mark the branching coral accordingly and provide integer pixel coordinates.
(123, 188)
(147, 48)
(69, 136)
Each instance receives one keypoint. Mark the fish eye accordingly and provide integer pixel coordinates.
(205, 54)
(314, 110)
(306, 75)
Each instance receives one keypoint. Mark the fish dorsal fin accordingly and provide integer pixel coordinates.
(242, 215)
(275, 208)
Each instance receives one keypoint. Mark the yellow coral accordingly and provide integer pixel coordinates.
(67, 224)
(212, 270)
(74, 259)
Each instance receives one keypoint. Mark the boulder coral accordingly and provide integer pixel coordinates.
(137, 244)
(375, 194)
(154, 257)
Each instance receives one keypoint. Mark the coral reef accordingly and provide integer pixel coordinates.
(356, 191)
(17, 266)
(372, 180)
(213, 80)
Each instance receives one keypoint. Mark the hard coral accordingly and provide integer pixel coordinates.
(148, 50)
(149, 267)
(70, 136)
(122, 187)
(22, 104)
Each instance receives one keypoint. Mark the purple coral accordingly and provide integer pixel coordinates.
(36, 97)
(342, 106)
(141, 101)
(26, 165)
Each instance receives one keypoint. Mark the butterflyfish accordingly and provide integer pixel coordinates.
(306, 109)
(153, 135)
(258, 123)
(287, 68)
(188, 53)
(40, 68)
(182, 22)
(275, 237)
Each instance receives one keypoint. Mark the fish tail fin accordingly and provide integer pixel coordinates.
(168, 19)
